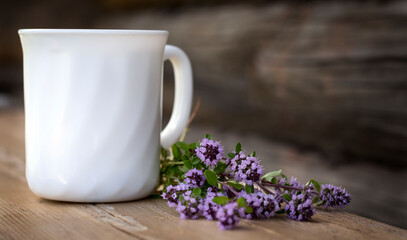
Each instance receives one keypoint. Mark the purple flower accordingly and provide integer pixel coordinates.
(263, 205)
(194, 178)
(188, 205)
(333, 196)
(172, 193)
(209, 151)
(227, 216)
(246, 169)
(300, 207)
(207, 207)
(292, 183)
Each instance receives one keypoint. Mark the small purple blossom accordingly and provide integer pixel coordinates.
(295, 183)
(207, 207)
(263, 205)
(188, 205)
(245, 169)
(300, 207)
(172, 193)
(292, 183)
(227, 216)
(334, 196)
(209, 151)
(194, 178)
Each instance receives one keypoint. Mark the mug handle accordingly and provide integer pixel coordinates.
(182, 97)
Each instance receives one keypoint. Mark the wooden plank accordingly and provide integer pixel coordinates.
(26, 216)
(326, 75)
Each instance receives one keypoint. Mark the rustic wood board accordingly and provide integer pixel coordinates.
(26, 216)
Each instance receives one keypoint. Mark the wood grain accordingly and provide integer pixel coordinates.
(327, 75)
(26, 216)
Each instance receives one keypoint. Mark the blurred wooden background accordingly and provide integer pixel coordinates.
(324, 76)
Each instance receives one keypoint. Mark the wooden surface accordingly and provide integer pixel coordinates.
(26, 216)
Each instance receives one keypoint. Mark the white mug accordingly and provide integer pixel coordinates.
(93, 111)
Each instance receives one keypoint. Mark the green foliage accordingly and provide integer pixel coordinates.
(287, 196)
(249, 189)
(231, 155)
(316, 184)
(195, 161)
(185, 147)
(220, 168)
(238, 148)
(176, 152)
(187, 163)
(281, 211)
(236, 185)
(269, 176)
(222, 200)
(242, 203)
(197, 192)
(211, 177)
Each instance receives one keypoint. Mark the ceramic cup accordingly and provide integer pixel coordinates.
(93, 111)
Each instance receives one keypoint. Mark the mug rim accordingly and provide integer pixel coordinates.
(90, 31)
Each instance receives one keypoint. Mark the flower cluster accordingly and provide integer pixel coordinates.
(333, 196)
(209, 151)
(200, 182)
(246, 169)
(227, 216)
(300, 208)
(263, 205)
(188, 205)
(194, 178)
(173, 192)
(207, 207)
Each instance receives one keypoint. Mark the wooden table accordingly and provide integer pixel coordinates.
(23, 215)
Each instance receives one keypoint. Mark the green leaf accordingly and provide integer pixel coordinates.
(320, 202)
(221, 200)
(249, 189)
(220, 168)
(197, 192)
(164, 153)
(238, 186)
(274, 180)
(287, 197)
(176, 152)
(284, 176)
(184, 147)
(196, 160)
(231, 155)
(248, 210)
(315, 200)
(281, 211)
(238, 148)
(188, 164)
(183, 169)
(193, 145)
(270, 175)
(211, 177)
(241, 202)
(253, 154)
(208, 136)
(316, 185)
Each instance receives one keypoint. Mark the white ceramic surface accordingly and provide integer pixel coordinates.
(93, 111)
